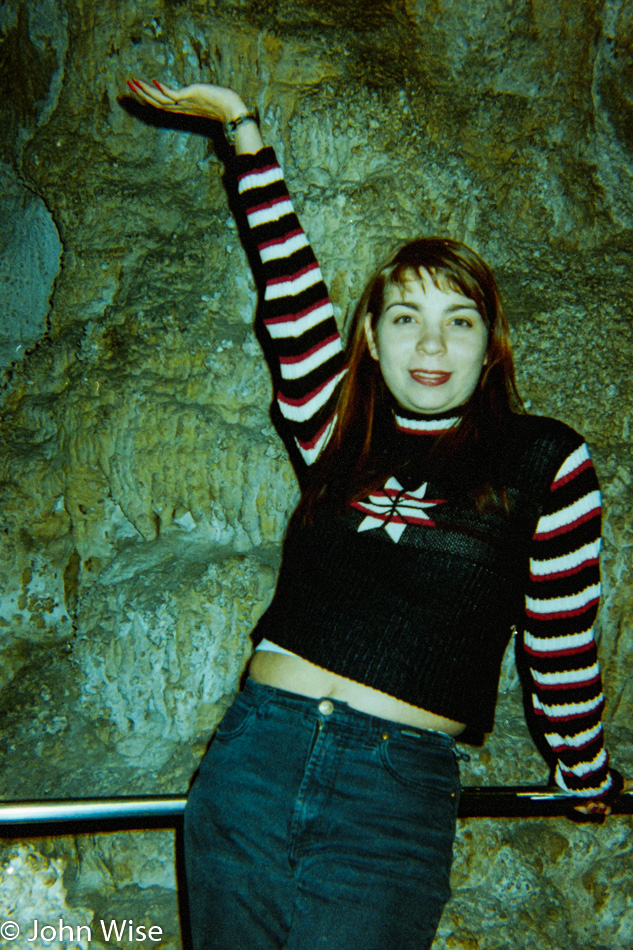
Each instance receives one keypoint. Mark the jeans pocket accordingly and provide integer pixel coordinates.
(235, 719)
(413, 764)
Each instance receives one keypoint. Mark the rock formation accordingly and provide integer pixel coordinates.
(144, 489)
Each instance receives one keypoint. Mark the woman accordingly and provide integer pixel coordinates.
(436, 515)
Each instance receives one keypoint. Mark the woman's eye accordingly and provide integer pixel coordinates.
(403, 318)
(462, 322)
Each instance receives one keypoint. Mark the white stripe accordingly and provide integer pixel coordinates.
(270, 213)
(276, 251)
(573, 641)
(573, 462)
(568, 709)
(567, 561)
(574, 742)
(312, 454)
(260, 179)
(295, 328)
(567, 515)
(555, 604)
(584, 768)
(307, 410)
(297, 370)
(426, 425)
(566, 676)
(582, 792)
(294, 286)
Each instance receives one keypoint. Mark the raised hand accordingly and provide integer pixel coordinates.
(200, 99)
(207, 101)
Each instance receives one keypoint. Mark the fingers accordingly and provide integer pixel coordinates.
(165, 93)
(155, 95)
(594, 808)
(141, 91)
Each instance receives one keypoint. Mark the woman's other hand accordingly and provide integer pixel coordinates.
(598, 809)
(203, 100)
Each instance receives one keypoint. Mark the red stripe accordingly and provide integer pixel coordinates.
(289, 360)
(267, 204)
(561, 686)
(393, 517)
(567, 527)
(406, 497)
(304, 399)
(584, 465)
(537, 578)
(560, 614)
(290, 277)
(411, 519)
(258, 171)
(572, 651)
(412, 500)
(597, 710)
(560, 747)
(281, 240)
(570, 774)
(294, 316)
(414, 431)
(312, 442)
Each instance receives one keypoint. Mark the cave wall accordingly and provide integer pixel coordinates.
(144, 489)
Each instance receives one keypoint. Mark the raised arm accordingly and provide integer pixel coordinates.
(295, 307)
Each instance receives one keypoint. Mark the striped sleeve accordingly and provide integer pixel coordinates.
(295, 307)
(560, 610)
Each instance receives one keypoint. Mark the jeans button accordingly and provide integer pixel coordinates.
(326, 707)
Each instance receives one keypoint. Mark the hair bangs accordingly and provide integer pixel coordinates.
(451, 265)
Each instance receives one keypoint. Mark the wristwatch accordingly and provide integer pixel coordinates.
(231, 127)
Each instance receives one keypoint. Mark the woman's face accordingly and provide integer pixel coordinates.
(431, 344)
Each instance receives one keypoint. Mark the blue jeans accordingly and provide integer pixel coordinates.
(311, 825)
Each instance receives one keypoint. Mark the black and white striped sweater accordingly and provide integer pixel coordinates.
(406, 592)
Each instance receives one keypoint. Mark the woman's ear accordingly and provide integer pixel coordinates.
(369, 336)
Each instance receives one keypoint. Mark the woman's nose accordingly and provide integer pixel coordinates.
(431, 341)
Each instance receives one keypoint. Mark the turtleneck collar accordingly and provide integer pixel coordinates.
(417, 423)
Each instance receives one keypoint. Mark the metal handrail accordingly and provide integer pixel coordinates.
(91, 809)
(95, 814)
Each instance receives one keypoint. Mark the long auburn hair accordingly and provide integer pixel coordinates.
(356, 460)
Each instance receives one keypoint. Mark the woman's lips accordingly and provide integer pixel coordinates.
(429, 377)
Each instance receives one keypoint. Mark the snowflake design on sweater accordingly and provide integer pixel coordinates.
(393, 509)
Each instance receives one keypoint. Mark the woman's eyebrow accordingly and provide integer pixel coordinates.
(403, 303)
(470, 305)
(452, 308)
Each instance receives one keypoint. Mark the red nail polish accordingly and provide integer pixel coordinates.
(137, 83)
(158, 85)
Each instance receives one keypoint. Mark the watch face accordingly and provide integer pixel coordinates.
(232, 126)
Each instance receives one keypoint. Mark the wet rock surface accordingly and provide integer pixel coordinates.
(144, 489)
